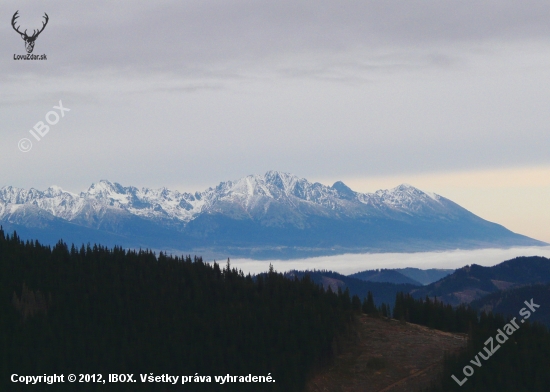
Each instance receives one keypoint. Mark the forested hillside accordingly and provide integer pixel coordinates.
(383, 292)
(385, 276)
(507, 302)
(509, 355)
(473, 282)
(518, 363)
(94, 310)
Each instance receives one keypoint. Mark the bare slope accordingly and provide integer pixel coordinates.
(387, 356)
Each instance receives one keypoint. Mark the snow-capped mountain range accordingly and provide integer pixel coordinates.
(275, 213)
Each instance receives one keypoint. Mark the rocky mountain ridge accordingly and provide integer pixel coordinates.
(252, 214)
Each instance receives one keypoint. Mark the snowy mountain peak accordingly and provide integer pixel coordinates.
(256, 196)
(411, 200)
(54, 191)
(104, 188)
(281, 180)
(343, 189)
(405, 187)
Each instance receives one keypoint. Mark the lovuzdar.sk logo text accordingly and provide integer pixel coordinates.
(29, 39)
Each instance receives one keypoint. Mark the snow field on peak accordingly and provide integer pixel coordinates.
(249, 193)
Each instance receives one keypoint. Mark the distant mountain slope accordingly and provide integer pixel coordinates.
(272, 215)
(473, 282)
(425, 276)
(382, 292)
(384, 275)
(510, 302)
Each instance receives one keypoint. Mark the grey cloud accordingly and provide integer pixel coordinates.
(206, 90)
(191, 37)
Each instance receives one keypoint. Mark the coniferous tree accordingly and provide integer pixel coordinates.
(91, 309)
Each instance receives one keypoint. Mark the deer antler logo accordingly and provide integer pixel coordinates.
(29, 41)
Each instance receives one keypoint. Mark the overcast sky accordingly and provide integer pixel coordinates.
(449, 96)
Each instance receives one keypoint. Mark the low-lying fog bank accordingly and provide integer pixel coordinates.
(351, 263)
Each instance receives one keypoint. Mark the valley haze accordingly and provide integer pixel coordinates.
(351, 263)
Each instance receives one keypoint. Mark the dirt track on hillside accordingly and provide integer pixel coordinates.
(387, 356)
